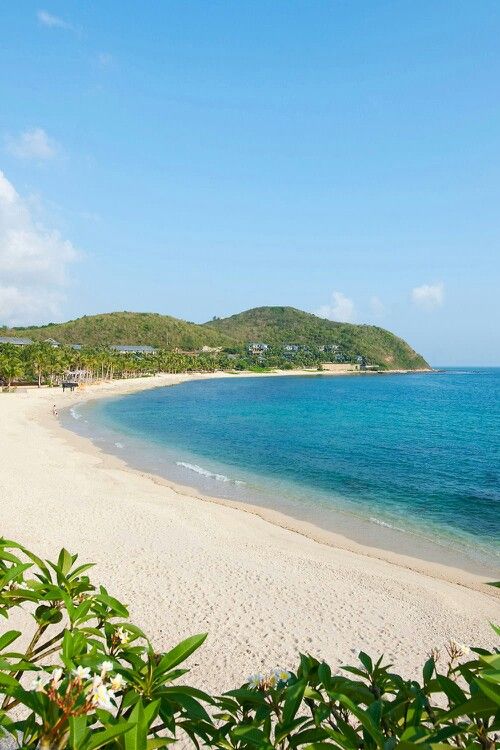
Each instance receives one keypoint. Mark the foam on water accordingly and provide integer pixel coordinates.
(209, 474)
(379, 522)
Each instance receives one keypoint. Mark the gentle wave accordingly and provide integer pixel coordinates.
(207, 473)
(387, 525)
(119, 445)
(74, 413)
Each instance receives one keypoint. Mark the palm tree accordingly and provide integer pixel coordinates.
(39, 359)
(11, 369)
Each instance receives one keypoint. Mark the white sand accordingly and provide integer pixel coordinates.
(185, 565)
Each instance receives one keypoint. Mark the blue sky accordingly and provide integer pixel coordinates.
(201, 158)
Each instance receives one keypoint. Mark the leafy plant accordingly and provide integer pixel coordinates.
(377, 709)
(88, 678)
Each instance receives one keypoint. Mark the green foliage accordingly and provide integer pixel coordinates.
(162, 331)
(42, 364)
(276, 326)
(11, 366)
(88, 678)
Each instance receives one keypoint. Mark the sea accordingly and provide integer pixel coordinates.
(409, 463)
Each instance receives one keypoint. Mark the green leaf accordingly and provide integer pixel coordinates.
(4, 555)
(11, 574)
(490, 690)
(141, 719)
(451, 689)
(249, 734)
(325, 674)
(194, 709)
(116, 606)
(49, 615)
(364, 718)
(99, 739)
(366, 661)
(180, 652)
(473, 707)
(65, 561)
(293, 699)
(79, 570)
(492, 660)
(9, 637)
(428, 669)
(8, 681)
(77, 731)
(192, 692)
(246, 695)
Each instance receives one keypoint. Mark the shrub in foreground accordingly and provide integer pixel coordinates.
(87, 678)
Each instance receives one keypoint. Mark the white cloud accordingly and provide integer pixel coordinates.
(53, 22)
(33, 262)
(32, 144)
(428, 296)
(341, 308)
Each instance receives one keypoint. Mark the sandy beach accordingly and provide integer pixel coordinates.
(184, 564)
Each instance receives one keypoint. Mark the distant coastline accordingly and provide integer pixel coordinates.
(271, 337)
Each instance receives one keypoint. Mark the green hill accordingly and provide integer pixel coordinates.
(161, 331)
(286, 325)
(275, 326)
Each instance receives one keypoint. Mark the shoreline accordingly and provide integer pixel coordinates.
(186, 564)
(447, 571)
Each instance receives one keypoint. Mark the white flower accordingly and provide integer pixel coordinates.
(255, 680)
(117, 682)
(82, 673)
(122, 636)
(106, 666)
(23, 586)
(282, 675)
(96, 681)
(56, 677)
(39, 683)
(101, 697)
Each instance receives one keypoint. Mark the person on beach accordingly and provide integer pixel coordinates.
(54, 410)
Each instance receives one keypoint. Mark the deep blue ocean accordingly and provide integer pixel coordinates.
(415, 456)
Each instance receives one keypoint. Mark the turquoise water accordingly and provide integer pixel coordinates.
(418, 454)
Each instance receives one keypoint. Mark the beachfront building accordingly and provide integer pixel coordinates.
(77, 376)
(257, 348)
(291, 347)
(15, 341)
(132, 349)
(211, 349)
(361, 361)
(76, 347)
(53, 343)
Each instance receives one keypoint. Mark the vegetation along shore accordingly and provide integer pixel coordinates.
(119, 345)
